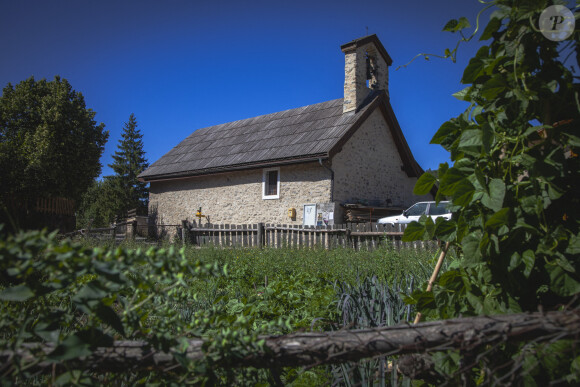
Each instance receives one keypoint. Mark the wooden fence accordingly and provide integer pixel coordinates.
(119, 231)
(367, 236)
(42, 212)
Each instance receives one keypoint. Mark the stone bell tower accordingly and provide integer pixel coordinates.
(365, 70)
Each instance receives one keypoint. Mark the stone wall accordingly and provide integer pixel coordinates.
(369, 167)
(236, 197)
(356, 87)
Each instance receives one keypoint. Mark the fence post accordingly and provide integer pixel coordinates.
(114, 233)
(260, 238)
(133, 229)
(348, 236)
(183, 231)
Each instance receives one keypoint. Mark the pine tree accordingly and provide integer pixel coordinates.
(129, 162)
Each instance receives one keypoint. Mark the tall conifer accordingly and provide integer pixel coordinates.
(128, 162)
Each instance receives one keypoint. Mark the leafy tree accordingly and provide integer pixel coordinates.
(514, 184)
(95, 209)
(129, 162)
(50, 144)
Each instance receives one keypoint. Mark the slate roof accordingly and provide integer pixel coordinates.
(296, 135)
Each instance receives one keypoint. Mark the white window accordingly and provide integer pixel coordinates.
(271, 183)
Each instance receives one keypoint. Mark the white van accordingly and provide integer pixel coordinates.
(414, 212)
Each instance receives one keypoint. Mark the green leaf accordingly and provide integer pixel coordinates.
(450, 180)
(17, 293)
(446, 130)
(575, 368)
(487, 137)
(562, 282)
(71, 348)
(414, 231)
(424, 184)
(425, 301)
(463, 193)
(463, 23)
(528, 258)
(445, 229)
(455, 25)
(493, 87)
(573, 140)
(573, 245)
(470, 138)
(463, 95)
(472, 71)
(498, 219)
(89, 296)
(515, 261)
(451, 25)
(470, 245)
(494, 200)
(108, 316)
(492, 27)
(475, 302)
(429, 226)
(481, 182)
(554, 192)
(450, 279)
(48, 331)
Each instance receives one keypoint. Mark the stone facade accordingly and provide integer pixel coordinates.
(356, 86)
(369, 167)
(236, 197)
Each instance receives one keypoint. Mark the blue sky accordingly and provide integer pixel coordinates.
(183, 65)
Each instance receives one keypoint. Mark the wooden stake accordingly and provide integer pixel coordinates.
(434, 276)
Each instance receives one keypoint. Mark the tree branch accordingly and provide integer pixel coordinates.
(310, 349)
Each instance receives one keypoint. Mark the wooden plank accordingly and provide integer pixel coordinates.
(244, 235)
(399, 228)
(225, 235)
(234, 236)
(199, 236)
(283, 232)
(278, 232)
(252, 236)
(260, 241)
(289, 228)
(203, 236)
(219, 241)
(215, 234)
(218, 228)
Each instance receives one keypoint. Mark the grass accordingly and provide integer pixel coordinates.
(342, 264)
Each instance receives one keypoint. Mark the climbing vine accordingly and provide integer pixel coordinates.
(514, 181)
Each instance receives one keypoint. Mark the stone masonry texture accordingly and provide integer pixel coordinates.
(369, 167)
(236, 197)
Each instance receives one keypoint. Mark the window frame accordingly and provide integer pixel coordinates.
(265, 174)
(418, 205)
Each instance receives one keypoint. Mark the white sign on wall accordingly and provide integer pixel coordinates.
(309, 215)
